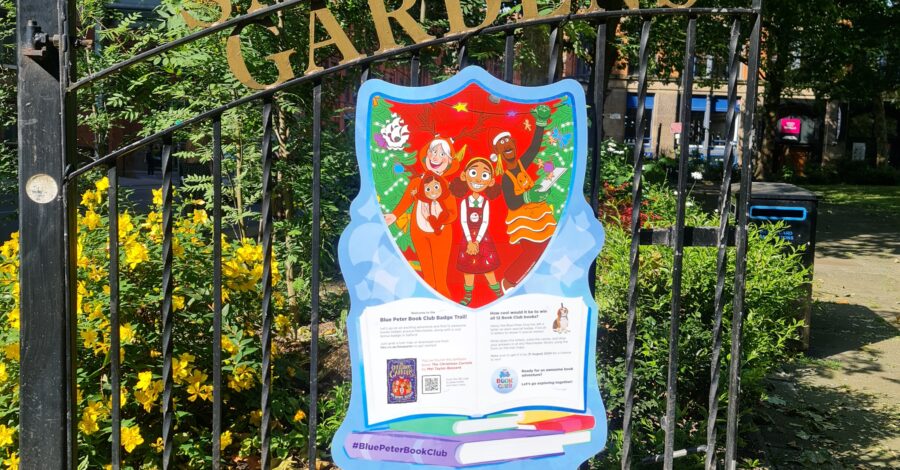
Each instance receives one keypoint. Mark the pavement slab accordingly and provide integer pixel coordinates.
(839, 407)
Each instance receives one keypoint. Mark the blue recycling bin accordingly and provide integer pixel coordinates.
(798, 209)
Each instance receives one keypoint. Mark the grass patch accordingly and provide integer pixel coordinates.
(869, 199)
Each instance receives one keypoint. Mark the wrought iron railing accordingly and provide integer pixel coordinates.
(47, 228)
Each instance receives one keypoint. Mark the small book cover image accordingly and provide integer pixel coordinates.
(401, 380)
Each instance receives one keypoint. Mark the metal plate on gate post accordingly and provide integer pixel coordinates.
(41, 188)
(472, 329)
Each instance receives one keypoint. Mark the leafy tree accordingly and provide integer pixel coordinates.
(840, 49)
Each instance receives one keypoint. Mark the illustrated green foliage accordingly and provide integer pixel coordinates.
(390, 169)
(558, 152)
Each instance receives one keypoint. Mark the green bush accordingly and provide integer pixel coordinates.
(140, 239)
(775, 279)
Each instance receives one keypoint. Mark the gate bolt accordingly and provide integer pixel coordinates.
(38, 40)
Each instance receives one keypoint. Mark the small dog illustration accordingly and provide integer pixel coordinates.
(561, 324)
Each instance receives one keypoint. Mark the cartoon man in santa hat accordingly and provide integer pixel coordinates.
(529, 223)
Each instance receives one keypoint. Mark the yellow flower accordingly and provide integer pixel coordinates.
(89, 417)
(3, 376)
(147, 397)
(182, 367)
(241, 379)
(198, 390)
(144, 380)
(159, 445)
(282, 323)
(228, 346)
(249, 253)
(135, 254)
(299, 416)
(225, 439)
(101, 347)
(157, 197)
(102, 184)
(256, 417)
(177, 302)
(90, 199)
(200, 217)
(12, 463)
(131, 438)
(10, 248)
(89, 337)
(197, 377)
(125, 226)
(126, 333)
(96, 313)
(11, 351)
(91, 219)
(6, 435)
(13, 318)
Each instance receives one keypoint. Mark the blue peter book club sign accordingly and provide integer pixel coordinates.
(472, 329)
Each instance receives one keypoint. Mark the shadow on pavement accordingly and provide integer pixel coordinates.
(808, 426)
(844, 232)
(837, 328)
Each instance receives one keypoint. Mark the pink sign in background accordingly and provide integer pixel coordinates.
(790, 126)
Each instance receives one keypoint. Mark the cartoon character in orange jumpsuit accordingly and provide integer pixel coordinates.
(434, 209)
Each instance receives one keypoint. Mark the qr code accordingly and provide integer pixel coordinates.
(431, 384)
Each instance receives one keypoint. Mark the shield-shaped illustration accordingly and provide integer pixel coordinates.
(472, 184)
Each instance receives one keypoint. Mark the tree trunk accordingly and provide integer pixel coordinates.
(880, 130)
(767, 155)
(775, 63)
(283, 203)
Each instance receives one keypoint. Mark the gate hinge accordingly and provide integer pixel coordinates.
(37, 40)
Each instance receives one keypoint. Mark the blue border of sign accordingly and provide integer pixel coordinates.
(376, 272)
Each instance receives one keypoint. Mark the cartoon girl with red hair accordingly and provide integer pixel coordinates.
(434, 209)
(477, 252)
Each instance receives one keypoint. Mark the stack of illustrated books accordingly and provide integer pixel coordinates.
(460, 441)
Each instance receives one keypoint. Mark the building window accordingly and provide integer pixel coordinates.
(631, 118)
(708, 131)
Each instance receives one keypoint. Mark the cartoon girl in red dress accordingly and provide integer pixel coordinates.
(477, 252)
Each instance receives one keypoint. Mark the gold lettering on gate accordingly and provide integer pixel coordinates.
(224, 9)
(670, 3)
(382, 18)
(337, 37)
(591, 8)
(401, 15)
(238, 66)
(458, 24)
(530, 9)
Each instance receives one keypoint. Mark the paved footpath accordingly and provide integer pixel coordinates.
(840, 408)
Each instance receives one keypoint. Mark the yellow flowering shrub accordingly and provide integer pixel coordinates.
(140, 269)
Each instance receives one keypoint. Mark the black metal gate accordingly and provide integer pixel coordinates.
(49, 175)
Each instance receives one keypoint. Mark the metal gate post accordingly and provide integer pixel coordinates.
(46, 219)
